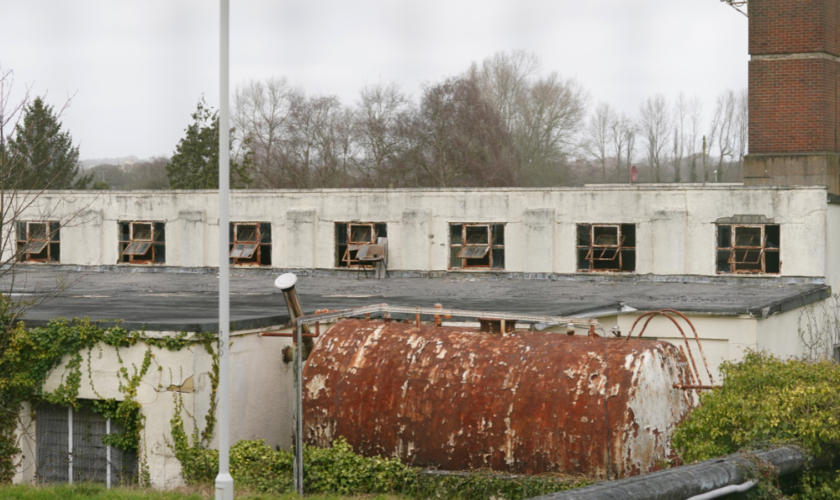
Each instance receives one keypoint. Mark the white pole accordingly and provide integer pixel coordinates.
(108, 455)
(224, 481)
(70, 443)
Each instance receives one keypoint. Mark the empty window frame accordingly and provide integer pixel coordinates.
(69, 447)
(250, 243)
(350, 236)
(142, 242)
(476, 246)
(606, 248)
(38, 241)
(748, 249)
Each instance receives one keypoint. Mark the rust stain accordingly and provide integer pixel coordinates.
(526, 402)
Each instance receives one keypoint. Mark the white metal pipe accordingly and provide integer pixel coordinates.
(108, 455)
(70, 443)
(224, 481)
(726, 490)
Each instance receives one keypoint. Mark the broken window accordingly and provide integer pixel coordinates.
(748, 249)
(351, 237)
(250, 243)
(142, 242)
(38, 241)
(606, 248)
(474, 246)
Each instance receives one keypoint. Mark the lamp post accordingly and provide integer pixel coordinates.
(224, 481)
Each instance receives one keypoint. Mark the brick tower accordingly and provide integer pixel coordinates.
(793, 93)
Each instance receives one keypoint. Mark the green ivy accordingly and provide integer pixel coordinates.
(27, 356)
(253, 464)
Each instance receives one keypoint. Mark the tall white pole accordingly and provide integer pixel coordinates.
(224, 481)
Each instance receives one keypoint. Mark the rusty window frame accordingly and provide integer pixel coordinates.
(136, 246)
(33, 245)
(252, 251)
(348, 242)
(478, 245)
(594, 256)
(756, 257)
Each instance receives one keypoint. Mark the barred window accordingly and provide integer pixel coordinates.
(142, 242)
(69, 447)
(250, 243)
(748, 249)
(476, 246)
(350, 237)
(38, 241)
(606, 248)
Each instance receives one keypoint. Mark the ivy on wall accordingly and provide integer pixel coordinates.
(28, 356)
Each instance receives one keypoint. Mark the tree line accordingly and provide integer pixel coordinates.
(501, 122)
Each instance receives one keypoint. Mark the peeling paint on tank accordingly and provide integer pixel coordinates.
(526, 402)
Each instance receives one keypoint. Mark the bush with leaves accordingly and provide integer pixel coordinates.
(253, 464)
(764, 402)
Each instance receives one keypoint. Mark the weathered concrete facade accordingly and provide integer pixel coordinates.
(675, 224)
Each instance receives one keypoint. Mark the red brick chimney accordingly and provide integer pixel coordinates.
(793, 93)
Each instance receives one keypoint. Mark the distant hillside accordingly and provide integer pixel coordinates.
(87, 164)
(141, 174)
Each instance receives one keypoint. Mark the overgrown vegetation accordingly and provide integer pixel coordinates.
(29, 355)
(254, 465)
(765, 402)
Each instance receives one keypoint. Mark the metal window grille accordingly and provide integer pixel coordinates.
(69, 448)
(476, 246)
(142, 242)
(350, 237)
(38, 241)
(748, 249)
(606, 248)
(250, 243)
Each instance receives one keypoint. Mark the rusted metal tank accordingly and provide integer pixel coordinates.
(527, 402)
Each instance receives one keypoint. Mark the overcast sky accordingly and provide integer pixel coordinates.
(137, 68)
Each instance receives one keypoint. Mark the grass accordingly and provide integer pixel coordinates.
(95, 491)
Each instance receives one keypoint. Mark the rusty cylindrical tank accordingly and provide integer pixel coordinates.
(529, 402)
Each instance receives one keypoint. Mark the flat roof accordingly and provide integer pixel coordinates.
(171, 301)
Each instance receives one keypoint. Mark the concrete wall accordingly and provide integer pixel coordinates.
(675, 223)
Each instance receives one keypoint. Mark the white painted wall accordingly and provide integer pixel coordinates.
(675, 223)
(261, 397)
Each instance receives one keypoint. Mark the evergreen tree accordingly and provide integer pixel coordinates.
(40, 155)
(195, 164)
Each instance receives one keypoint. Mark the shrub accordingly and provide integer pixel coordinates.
(765, 401)
(253, 464)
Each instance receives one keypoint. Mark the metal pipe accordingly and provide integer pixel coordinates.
(298, 421)
(691, 480)
(286, 283)
(726, 490)
(224, 481)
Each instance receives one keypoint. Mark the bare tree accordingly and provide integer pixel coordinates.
(503, 78)
(655, 127)
(260, 117)
(623, 137)
(543, 114)
(458, 139)
(599, 135)
(695, 118)
(551, 113)
(381, 110)
(724, 133)
(742, 120)
(678, 135)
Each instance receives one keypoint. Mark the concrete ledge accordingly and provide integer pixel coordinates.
(788, 169)
(456, 275)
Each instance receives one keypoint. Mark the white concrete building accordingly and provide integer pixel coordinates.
(740, 262)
